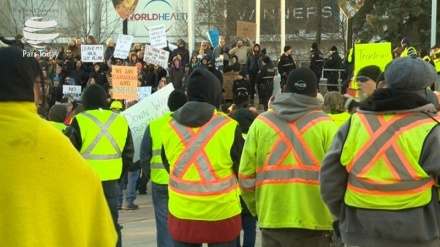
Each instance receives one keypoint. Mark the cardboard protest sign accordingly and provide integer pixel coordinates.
(73, 90)
(158, 37)
(246, 29)
(123, 46)
(228, 79)
(139, 116)
(379, 54)
(92, 53)
(143, 92)
(214, 37)
(125, 80)
(156, 56)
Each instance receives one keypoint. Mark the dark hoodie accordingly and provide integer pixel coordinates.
(216, 72)
(182, 50)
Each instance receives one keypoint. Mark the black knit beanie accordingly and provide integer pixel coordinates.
(18, 73)
(176, 99)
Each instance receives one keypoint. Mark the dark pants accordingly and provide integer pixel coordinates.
(332, 78)
(294, 237)
(142, 183)
(249, 224)
(111, 192)
(252, 79)
(181, 244)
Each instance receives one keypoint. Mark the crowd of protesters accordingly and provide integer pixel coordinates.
(310, 169)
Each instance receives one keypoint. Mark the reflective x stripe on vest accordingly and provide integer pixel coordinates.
(383, 144)
(156, 165)
(194, 153)
(104, 132)
(291, 141)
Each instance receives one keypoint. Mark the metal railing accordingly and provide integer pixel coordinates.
(324, 79)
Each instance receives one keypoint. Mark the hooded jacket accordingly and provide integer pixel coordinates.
(418, 226)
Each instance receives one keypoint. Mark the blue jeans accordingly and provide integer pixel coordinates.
(111, 191)
(132, 178)
(249, 225)
(181, 244)
(160, 203)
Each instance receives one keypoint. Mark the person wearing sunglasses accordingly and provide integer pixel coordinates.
(366, 80)
(378, 177)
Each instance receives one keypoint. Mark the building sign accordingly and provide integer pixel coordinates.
(153, 13)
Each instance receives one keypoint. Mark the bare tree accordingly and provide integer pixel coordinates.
(74, 18)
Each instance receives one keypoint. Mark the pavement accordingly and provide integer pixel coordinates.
(139, 228)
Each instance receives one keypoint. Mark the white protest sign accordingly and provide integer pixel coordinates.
(123, 46)
(75, 91)
(143, 92)
(139, 116)
(156, 56)
(158, 37)
(92, 53)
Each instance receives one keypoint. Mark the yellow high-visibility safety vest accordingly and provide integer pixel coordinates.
(199, 176)
(383, 164)
(288, 159)
(59, 126)
(103, 135)
(158, 173)
(437, 65)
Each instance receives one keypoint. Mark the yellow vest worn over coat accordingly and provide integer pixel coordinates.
(158, 173)
(202, 183)
(381, 154)
(279, 170)
(103, 135)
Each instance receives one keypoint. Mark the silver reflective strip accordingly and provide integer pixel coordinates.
(275, 156)
(157, 166)
(203, 188)
(394, 159)
(400, 186)
(289, 64)
(287, 174)
(104, 132)
(247, 183)
(284, 128)
(389, 131)
(196, 142)
(373, 122)
(157, 152)
(309, 117)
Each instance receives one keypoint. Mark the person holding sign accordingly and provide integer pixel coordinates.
(49, 194)
(104, 140)
(199, 176)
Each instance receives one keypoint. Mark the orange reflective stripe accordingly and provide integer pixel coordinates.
(390, 139)
(200, 188)
(374, 136)
(290, 141)
(391, 168)
(390, 189)
(384, 144)
(405, 162)
(194, 153)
